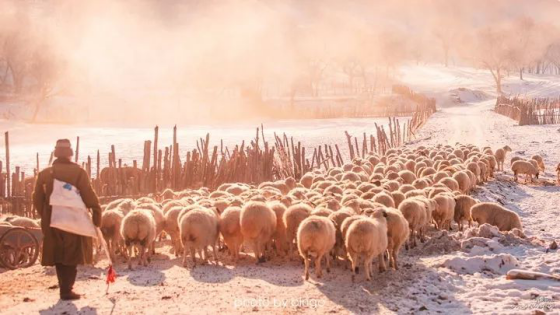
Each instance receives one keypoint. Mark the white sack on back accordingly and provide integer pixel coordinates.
(69, 213)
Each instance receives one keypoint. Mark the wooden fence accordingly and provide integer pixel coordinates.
(537, 111)
(255, 161)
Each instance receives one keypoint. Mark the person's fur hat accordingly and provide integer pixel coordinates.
(63, 149)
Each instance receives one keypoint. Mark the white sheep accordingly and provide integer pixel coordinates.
(280, 237)
(23, 222)
(138, 228)
(524, 167)
(322, 211)
(397, 233)
(540, 161)
(450, 183)
(430, 206)
(494, 214)
(307, 180)
(473, 167)
(413, 211)
(407, 176)
(230, 228)
(199, 229)
(367, 238)
(492, 163)
(110, 228)
(172, 228)
(384, 199)
(338, 218)
(258, 224)
(463, 205)
(170, 204)
(473, 179)
(515, 158)
(500, 156)
(463, 180)
(293, 216)
(483, 166)
(445, 210)
(398, 197)
(124, 205)
(316, 236)
(159, 217)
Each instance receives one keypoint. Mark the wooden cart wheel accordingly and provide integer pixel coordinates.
(19, 248)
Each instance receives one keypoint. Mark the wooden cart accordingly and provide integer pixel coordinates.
(19, 247)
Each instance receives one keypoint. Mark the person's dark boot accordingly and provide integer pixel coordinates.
(70, 296)
(67, 277)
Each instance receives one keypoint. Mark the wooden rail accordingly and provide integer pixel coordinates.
(537, 111)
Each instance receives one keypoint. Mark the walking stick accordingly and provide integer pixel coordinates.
(111, 274)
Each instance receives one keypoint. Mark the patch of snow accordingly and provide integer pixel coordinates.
(465, 95)
(497, 264)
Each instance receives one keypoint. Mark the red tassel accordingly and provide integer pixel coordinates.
(111, 275)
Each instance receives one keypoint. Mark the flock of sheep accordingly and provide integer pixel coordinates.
(365, 209)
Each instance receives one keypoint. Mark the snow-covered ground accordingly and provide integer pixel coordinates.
(538, 205)
(456, 273)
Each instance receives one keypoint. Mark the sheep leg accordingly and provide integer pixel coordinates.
(215, 254)
(145, 255)
(277, 248)
(259, 252)
(395, 257)
(175, 247)
(185, 256)
(382, 266)
(353, 260)
(205, 259)
(306, 268)
(333, 254)
(328, 263)
(291, 248)
(367, 266)
(318, 271)
(148, 253)
(180, 249)
(236, 253)
(139, 254)
(423, 234)
(129, 258)
(193, 254)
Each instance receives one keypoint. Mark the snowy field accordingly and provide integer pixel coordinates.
(456, 273)
(26, 140)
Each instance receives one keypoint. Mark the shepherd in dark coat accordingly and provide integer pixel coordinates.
(62, 249)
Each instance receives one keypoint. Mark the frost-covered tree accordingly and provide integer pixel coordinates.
(527, 42)
(490, 49)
